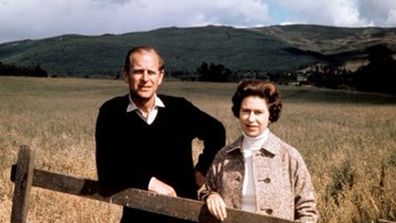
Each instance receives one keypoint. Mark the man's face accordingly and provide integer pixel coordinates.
(144, 75)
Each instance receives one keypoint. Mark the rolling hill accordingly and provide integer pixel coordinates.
(267, 49)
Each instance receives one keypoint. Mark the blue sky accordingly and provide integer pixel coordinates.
(278, 14)
(36, 19)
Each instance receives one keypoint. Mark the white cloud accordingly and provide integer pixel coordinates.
(335, 12)
(20, 19)
(42, 18)
(161, 13)
(113, 1)
(391, 20)
(233, 12)
(380, 12)
(349, 13)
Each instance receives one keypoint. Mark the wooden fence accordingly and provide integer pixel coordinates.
(25, 176)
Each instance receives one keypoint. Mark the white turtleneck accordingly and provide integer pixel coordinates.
(249, 146)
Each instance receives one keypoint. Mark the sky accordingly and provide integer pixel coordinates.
(37, 19)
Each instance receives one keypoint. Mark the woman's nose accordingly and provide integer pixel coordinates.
(251, 117)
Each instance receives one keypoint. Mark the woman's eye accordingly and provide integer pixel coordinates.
(245, 111)
(259, 112)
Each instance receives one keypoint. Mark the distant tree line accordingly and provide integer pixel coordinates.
(379, 75)
(28, 71)
(212, 72)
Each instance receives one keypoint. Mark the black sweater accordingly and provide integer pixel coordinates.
(129, 151)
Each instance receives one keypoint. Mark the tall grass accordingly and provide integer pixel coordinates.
(348, 141)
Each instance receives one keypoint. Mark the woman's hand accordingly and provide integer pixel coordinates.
(216, 206)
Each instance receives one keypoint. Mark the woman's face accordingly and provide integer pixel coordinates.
(254, 115)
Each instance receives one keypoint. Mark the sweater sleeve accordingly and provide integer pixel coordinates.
(210, 131)
(103, 140)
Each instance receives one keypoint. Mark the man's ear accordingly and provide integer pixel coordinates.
(162, 75)
(125, 75)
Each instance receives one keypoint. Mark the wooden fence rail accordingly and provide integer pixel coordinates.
(25, 176)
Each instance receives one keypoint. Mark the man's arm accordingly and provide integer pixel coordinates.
(212, 133)
(199, 178)
(103, 139)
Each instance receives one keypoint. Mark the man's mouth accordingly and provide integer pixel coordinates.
(144, 87)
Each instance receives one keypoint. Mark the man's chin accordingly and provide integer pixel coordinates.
(145, 95)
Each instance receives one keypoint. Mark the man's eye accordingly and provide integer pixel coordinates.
(137, 72)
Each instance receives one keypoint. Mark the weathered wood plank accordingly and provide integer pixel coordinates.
(385, 221)
(23, 176)
(143, 200)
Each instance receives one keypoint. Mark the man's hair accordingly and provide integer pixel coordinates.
(262, 89)
(128, 62)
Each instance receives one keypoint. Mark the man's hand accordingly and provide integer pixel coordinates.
(160, 187)
(216, 206)
(199, 178)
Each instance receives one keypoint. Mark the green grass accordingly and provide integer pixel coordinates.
(347, 139)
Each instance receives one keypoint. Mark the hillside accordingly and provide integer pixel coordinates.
(333, 43)
(268, 49)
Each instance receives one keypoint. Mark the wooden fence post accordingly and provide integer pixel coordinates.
(23, 181)
(25, 176)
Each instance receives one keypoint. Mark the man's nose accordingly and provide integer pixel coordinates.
(145, 76)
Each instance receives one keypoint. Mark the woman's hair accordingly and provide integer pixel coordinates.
(262, 89)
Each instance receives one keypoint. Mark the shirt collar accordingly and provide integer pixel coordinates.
(270, 145)
(132, 106)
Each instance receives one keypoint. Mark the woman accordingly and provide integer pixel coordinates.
(259, 172)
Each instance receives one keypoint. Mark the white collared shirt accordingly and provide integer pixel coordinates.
(152, 114)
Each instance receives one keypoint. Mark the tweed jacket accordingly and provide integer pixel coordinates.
(282, 182)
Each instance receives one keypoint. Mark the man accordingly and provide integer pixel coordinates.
(143, 140)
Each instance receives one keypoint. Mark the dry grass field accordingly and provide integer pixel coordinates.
(348, 141)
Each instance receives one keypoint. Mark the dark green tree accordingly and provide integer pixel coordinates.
(379, 75)
(213, 72)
